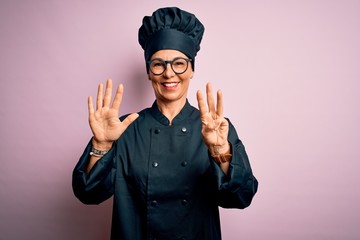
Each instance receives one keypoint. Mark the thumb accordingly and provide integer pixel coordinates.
(129, 119)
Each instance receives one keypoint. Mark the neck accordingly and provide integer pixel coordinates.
(171, 109)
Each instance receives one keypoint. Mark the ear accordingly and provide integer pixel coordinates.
(192, 75)
(149, 76)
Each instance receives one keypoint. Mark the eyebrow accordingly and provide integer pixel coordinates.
(168, 59)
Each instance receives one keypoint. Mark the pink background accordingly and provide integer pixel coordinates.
(290, 74)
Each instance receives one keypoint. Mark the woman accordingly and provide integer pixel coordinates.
(169, 166)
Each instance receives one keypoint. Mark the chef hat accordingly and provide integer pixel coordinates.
(171, 28)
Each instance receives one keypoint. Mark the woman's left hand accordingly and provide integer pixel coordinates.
(215, 127)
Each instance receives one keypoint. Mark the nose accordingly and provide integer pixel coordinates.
(168, 73)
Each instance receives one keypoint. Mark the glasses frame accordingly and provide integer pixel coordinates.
(165, 63)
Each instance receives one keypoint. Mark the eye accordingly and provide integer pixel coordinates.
(157, 64)
(179, 62)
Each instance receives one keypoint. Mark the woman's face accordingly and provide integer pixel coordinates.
(169, 86)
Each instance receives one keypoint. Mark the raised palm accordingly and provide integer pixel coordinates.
(104, 121)
(215, 127)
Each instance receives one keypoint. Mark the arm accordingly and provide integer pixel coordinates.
(239, 186)
(94, 174)
(104, 122)
(215, 128)
(96, 186)
(236, 185)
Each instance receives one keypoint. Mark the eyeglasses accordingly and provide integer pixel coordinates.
(179, 65)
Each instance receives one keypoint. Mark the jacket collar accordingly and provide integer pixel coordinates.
(183, 114)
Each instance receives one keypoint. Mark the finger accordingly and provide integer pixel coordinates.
(210, 100)
(108, 93)
(201, 103)
(99, 100)
(118, 97)
(90, 105)
(219, 104)
(129, 119)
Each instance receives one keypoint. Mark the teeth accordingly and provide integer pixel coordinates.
(170, 84)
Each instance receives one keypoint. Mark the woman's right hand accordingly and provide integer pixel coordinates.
(104, 122)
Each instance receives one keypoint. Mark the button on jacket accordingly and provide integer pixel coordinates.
(164, 181)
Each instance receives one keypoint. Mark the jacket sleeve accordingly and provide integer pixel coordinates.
(238, 187)
(98, 185)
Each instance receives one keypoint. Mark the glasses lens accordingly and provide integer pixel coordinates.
(157, 66)
(179, 65)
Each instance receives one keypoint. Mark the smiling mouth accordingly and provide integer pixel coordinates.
(170, 84)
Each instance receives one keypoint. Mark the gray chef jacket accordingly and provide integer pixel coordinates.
(165, 184)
